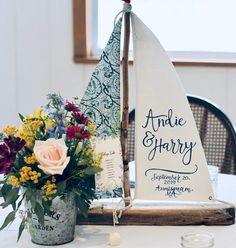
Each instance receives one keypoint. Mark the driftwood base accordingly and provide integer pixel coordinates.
(163, 213)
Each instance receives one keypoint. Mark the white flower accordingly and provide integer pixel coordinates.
(51, 155)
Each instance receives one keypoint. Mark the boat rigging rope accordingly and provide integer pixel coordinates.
(126, 9)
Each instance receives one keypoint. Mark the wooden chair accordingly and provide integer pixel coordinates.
(216, 132)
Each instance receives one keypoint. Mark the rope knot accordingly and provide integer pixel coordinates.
(118, 211)
(126, 9)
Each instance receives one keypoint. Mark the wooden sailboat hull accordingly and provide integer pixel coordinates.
(167, 142)
(217, 213)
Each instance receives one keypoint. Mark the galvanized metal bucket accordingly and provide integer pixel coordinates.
(59, 227)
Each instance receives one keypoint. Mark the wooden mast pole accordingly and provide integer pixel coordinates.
(125, 113)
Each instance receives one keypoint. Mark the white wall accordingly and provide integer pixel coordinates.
(36, 51)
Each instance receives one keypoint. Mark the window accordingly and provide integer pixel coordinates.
(190, 30)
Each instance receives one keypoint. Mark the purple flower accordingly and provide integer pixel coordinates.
(55, 109)
(8, 151)
(14, 144)
(5, 159)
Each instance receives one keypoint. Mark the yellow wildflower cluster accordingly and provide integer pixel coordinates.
(41, 115)
(9, 130)
(50, 189)
(26, 134)
(14, 181)
(31, 124)
(35, 124)
(98, 160)
(91, 127)
(89, 151)
(27, 174)
(31, 159)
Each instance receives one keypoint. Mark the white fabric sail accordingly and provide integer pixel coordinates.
(170, 161)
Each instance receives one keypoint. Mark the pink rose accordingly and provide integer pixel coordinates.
(51, 155)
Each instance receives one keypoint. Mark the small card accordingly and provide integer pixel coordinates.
(109, 182)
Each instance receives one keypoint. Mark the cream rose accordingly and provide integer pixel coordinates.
(51, 155)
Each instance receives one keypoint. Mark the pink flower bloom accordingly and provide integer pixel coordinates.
(77, 132)
(80, 118)
(71, 107)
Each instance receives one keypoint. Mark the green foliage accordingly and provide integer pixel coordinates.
(21, 117)
(92, 170)
(31, 195)
(2, 182)
(6, 188)
(61, 187)
(21, 227)
(46, 206)
(9, 219)
(39, 211)
(20, 202)
(81, 204)
(11, 197)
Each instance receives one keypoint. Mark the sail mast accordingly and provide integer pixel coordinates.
(125, 113)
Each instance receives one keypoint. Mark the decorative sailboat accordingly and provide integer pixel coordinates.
(172, 179)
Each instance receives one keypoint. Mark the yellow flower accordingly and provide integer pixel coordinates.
(14, 181)
(53, 179)
(31, 125)
(9, 130)
(27, 174)
(49, 188)
(98, 160)
(91, 127)
(36, 124)
(41, 115)
(37, 114)
(26, 133)
(49, 123)
(89, 151)
(26, 169)
(31, 159)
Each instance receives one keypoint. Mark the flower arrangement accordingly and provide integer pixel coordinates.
(52, 153)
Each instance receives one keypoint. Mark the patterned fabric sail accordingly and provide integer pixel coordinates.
(101, 100)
